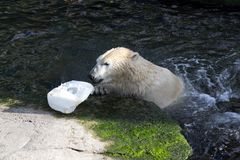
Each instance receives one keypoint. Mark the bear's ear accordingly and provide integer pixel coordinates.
(134, 56)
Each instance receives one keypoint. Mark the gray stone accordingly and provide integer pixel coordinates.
(29, 134)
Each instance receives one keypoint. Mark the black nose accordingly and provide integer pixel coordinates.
(91, 76)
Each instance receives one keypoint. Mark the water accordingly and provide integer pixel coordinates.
(44, 43)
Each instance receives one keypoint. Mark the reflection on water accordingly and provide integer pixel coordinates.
(44, 43)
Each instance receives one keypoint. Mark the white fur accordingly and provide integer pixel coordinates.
(129, 74)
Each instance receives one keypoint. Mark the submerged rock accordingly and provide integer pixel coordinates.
(213, 135)
(223, 132)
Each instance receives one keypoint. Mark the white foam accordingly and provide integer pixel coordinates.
(225, 96)
(211, 101)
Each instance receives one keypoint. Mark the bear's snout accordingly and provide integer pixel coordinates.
(91, 77)
(94, 79)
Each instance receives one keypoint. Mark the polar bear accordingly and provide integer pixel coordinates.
(125, 72)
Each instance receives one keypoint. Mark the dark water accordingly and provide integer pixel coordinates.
(44, 43)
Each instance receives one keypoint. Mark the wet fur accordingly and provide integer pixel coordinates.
(140, 78)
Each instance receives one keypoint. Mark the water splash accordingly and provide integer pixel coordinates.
(205, 81)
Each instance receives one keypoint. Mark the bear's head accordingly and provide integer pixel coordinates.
(112, 65)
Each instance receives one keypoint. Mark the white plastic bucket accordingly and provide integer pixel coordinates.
(66, 97)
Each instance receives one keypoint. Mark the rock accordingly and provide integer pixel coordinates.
(58, 154)
(30, 134)
(136, 128)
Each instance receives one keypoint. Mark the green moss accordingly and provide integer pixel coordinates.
(9, 101)
(136, 129)
(144, 140)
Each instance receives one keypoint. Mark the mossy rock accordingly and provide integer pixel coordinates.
(136, 129)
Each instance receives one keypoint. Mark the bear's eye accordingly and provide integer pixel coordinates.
(105, 64)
